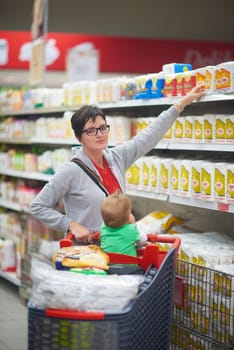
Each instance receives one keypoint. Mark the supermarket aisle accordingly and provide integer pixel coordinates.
(13, 318)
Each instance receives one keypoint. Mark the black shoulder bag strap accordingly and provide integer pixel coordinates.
(90, 173)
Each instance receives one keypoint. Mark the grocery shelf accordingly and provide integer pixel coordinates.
(26, 175)
(147, 194)
(181, 145)
(10, 205)
(16, 140)
(55, 141)
(134, 103)
(201, 203)
(177, 199)
(165, 144)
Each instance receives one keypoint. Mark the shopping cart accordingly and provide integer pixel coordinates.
(145, 324)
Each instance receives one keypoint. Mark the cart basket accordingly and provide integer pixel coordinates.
(145, 324)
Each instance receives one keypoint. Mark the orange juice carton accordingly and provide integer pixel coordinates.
(133, 175)
(165, 175)
(185, 177)
(208, 128)
(198, 129)
(179, 129)
(196, 178)
(230, 128)
(220, 128)
(224, 76)
(230, 183)
(145, 173)
(188, 129)
(207, 181)
(206, 76)
(189, 81)
(154, 174)
(169, 85)
(200, 76)
(220, 171)
(175, 176)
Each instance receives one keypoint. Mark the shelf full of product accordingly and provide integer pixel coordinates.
(192, 165)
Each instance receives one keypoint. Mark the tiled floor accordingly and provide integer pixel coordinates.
(13, 318)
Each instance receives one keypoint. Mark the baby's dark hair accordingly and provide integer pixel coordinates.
(115, 209)
(82, 115)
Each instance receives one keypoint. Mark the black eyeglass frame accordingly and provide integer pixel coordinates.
(104, 129)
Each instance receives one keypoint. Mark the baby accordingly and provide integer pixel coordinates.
(119, 233)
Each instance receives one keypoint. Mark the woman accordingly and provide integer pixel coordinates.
(81, 195)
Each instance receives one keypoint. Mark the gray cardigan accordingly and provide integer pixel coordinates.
(81, 196)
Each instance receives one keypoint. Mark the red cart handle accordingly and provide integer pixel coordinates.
(170, 239)
(68, 240)
(151, 237)
(145, 256)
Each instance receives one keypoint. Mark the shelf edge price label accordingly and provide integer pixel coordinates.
(223, 207)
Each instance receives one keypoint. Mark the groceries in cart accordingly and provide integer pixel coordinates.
(84, 258)
(59, 289)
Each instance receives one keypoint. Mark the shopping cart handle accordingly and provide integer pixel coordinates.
(68, 240)
(151, 237)
(174, 241)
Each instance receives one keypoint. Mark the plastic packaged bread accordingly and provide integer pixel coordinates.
(81, 256)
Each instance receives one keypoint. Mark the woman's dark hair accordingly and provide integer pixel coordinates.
(82, 115)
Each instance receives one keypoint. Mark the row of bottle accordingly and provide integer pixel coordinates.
(201, 179)
(173, 80)
(47, 162)
(207, 128)
(18, 191)
(42, 127)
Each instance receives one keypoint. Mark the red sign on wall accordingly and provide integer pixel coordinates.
(117, 54)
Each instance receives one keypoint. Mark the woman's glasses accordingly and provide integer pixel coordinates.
(104, 129)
